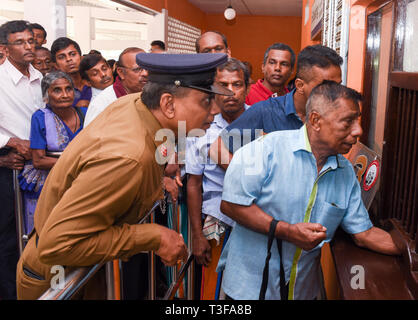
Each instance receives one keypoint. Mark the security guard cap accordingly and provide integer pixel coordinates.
(195, 71)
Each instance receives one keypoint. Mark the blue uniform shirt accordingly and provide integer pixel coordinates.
(274, 114)
(278, 173)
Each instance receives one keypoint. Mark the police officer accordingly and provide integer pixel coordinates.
(109, 176)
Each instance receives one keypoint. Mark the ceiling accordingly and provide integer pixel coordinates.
(252, 7)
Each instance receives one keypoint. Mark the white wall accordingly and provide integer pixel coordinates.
(51, 14)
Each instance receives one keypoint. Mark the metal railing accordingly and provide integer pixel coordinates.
(77, 278)
(22, 237)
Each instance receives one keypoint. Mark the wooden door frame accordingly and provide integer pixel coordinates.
(372, 9)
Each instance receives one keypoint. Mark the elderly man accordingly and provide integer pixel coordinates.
(95, 70)
(20, 97)
(279, 60)
(209, 237)
(212, 42)
(315, 64)
(43, 62)
(109, 176)
(297, 187)
(131, 78)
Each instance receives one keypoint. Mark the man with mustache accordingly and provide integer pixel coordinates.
(96, 71)
(212, 42)
(210, 227)
(110, 175)
(43, 61)
(278, 63)
(297, 190)
(315, 64)
(130, 78)
(20, 97)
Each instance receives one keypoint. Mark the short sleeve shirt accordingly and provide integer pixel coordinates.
(38, 130)
(259, 92)
(278, 173)
(84, 94)
(199, 163)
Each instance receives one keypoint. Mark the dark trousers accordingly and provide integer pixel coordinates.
(8, 238)
(135, 272)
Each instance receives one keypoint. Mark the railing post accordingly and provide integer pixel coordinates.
(110, 288)
(19, 214)
(151, 267)
(174, 218)
(190, 272)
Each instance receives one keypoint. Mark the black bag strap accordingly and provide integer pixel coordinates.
(283, 287)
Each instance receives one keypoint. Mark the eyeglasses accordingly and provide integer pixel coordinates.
(21, 42)
(134, 70)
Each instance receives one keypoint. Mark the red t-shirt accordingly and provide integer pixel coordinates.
(259, 92)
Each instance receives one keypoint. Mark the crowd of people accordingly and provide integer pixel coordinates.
(80, 131)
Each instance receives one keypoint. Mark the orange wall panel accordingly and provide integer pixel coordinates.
(156, 5)
(186, 12)
(306, 28)
(250, 36)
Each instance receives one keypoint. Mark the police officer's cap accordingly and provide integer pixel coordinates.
(195, 71)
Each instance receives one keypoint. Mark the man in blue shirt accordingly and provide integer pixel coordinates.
(315, 64)
(208, 237)
(299, 178)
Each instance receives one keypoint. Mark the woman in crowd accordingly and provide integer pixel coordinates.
(52, 129)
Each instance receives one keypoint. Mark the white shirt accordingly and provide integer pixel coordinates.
(20, 97)
(94, 93)
(99, 103)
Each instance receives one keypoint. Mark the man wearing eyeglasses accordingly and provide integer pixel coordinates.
(20, 97)
(130, 79)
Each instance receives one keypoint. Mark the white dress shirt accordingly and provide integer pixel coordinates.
(94, 93)
(20, 97)
(99, 103)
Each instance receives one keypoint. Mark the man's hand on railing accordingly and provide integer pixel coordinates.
(22, 147)
(12, 160)
(172, 247)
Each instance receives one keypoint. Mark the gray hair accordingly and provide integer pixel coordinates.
(50, 78)
(324, 97)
